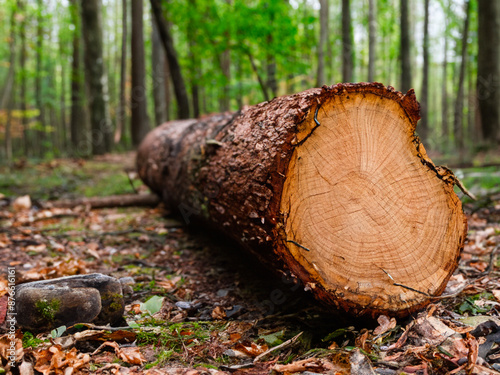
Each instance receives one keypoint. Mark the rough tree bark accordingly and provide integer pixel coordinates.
(330, 184)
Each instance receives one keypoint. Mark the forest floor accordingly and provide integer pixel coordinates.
(199, 305)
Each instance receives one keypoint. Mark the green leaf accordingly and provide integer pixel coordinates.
(152, 305)
(58, 332)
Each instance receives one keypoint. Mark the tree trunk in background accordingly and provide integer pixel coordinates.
(323, 38)
(488, 69)
(445, 133)
(7, 99)
(424, 94)
(140, 120)
(158, 68)
(347, 43)
(24, 100)
(225, 63)
(95, 76)
(372, 40)
(38, 82)
(405, 49)
(272, 82)
(324, 223)
(173, 63)
(194, 62)
(78, 118)
(122, 109)
(459, 104)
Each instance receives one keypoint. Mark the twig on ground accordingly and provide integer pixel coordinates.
(280, 346)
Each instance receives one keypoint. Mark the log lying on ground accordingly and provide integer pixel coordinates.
(330, 184)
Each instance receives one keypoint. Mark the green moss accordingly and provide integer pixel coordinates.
(48, 309)
(115, 301)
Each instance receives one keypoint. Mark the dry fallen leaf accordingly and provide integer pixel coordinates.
(54, 360)
(218, 313)
(385, 324)
(130, 355)
(22, 203)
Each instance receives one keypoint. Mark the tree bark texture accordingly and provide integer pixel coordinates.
(330, 184)
(488, 69)
(95, 76)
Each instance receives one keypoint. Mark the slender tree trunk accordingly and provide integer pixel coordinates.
(459, 104)
(372, 40)
(444, 95)
(405, 49)
(168, 91)
(158, 68)
(95, 76)
(259, 77)
(424, 95)
(225, 62)
(488, 69)
(140, 121)
(7, 93)
(347, 43)
(122, 110)
(78, 117)
(323, 38)
(24, 100)
(39, 78)
(173, 63)
(195, 66)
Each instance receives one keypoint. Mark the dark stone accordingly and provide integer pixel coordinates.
(43, 309)
(109, 289)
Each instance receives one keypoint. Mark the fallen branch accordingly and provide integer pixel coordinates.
(280, 346)
(127, 200)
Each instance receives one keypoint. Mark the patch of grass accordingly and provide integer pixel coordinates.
(177, 336)
(162, 357)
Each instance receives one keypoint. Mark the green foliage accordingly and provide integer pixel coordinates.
(30, 341)
(475, 305)
(48, 309)
(152, 305)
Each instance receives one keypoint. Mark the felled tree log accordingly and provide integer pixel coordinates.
(330, 184)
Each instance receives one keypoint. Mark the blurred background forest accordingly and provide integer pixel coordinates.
(86, 77)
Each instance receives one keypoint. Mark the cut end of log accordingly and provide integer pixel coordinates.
(330, 184)
(365, 212)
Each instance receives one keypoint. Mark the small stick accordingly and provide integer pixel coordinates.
(298, 244)
(412, 289)
(280, 346)
(316, 114)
